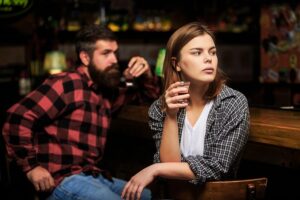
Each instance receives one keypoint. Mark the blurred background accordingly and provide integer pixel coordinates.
(258, 41)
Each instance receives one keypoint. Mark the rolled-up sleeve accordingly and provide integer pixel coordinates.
(156, 126)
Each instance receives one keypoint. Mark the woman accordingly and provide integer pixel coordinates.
(200, 125)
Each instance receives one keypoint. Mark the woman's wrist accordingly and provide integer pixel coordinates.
(171, 115)
(156, 169)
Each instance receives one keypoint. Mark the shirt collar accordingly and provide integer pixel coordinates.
(81, 70)
(226, 92)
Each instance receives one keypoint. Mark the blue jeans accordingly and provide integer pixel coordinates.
(87, 187)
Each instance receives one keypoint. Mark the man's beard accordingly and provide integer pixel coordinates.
(106, 79)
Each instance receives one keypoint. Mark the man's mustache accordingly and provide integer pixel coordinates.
(113, 67)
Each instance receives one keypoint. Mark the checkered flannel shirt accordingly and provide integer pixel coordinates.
(227, 131)
(62, 125)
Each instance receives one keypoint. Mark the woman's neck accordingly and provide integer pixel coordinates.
(197, 93)
(196, 104)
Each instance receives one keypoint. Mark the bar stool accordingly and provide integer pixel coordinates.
(244, 189)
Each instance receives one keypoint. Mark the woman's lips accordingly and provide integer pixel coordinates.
(208, 70)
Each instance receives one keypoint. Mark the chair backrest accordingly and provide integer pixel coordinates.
(246, 189)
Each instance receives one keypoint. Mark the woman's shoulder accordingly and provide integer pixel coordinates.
(232, 98)
(155, 109)
(228, 92)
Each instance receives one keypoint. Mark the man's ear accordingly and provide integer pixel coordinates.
(84, 57)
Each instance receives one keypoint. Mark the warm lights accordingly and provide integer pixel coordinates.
(55, 62)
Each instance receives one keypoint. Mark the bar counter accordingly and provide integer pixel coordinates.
(274, 133)
(275, 127)
(267, 126)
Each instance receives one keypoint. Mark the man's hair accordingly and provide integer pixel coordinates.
(87, 37)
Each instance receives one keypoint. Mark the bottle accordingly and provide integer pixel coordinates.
(160, 62)
(101, 18)
(74, 23)
(24, 83)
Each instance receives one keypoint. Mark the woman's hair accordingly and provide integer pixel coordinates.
(87, 37)
(176, 42)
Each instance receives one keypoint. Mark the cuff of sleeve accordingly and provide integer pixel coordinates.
(156, 158)
(149, 79)
(29, 164)
(190, 160)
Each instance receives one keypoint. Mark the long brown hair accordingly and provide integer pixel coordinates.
(176, 42)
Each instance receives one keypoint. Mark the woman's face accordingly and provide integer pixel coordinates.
(198, 62)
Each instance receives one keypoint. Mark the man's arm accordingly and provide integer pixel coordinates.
(147, 85)
(24, 118)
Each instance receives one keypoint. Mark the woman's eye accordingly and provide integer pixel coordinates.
(197, 53)
(213, 53)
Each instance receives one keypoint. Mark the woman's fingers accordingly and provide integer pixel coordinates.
(177, 96)
(129, 191)
(125, 190)
(132, 191)
(139, 192)
(178, 88)
(178, 99)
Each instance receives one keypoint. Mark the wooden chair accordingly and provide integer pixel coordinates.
(246, 189)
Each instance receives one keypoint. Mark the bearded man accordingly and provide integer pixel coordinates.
(57, 133)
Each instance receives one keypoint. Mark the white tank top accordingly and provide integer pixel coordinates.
(192, 138)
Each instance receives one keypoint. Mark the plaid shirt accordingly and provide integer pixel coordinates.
(227, 131)
(62, 125)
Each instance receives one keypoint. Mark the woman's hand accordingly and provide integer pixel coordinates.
(138, 182)
(136, 67)
(176, 96)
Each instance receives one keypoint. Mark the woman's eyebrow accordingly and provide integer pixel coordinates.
(199, 48)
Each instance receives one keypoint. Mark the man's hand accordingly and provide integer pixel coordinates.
(41, 179)
(136, 67)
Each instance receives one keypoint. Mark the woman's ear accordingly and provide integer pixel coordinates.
(175, 65)
(84, 57)
(173, 62)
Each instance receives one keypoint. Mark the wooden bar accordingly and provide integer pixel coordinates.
(274, 134)
(280, 128)
(275, 127)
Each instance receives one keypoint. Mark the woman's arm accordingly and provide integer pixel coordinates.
(175, 97)
(169, 147)
(171, 170)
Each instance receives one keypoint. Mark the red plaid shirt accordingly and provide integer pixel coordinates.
(62, 125)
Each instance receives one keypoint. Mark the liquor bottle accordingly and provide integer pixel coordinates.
(24, 83)
(160, 62)
(74, 23)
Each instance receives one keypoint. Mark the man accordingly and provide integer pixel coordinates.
(57, 133)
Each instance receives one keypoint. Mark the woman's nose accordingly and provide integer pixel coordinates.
(207, 57)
